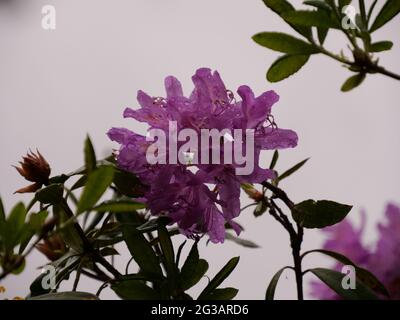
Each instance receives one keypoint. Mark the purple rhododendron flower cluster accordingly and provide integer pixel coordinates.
(181, 192)
(383, 260)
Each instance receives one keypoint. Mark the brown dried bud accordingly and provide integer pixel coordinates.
(52, 247)
(34, 168)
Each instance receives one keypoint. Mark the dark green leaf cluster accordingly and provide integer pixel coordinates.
(314, 24)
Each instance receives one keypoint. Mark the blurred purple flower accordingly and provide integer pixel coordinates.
(173, 189)
(383, 261)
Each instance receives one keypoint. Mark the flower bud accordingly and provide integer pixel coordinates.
(52, 247)
(34, 168)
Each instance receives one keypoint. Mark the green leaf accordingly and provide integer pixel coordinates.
(90, 155)
(35, 225)
(278, 6)
(353, 82)
(260, 209)
(14, 227)
(322, 33)
(274, 160)
(282, 6)
(381, 46)
(334, 280)
(318, 4)
(134, 290)
(285, 66)
(168, 256)
(68, 295)
(284, 43)
(119, 206)
(97, 183)
(222, 294)
(319, 214)
(390, 9)
(243, 242)
(2, 213)
(363, 275)
(193, 269)
(311, 19)
(343, 3)
(219, 278)
(20, 268)
(59, 179)
(363, 15)
(153, 224)
(67, 228)
(371, 10)
(292, 170)
(108, 251)
(50, 195)
(140, 249)
(79, 183)
(269, 295)
(127, 183)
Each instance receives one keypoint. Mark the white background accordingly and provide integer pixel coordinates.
(56, 86)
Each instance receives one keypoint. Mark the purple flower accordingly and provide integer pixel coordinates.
(181, 191)
(383, 260)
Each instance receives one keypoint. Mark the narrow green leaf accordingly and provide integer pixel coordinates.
(371, 10)
(311, 19)
(285, 66)
(90, 156)
(140, 249)
(2, 213)
(381, 46)
(119, 206)
(283, 42)
(274, 160)
(153, 224)
(97, 183)
(222, 294)
(334, 280)
(353, 82)
(190, 272)
(389, 10)
(168, 256)
(319, 214)
(269, 295)
(363, 275)
(50, 195)
(292, 170)
(79, 183)
(134, 290)
(69, 295)
(243, 242)
(363, 13)
(220, 277)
